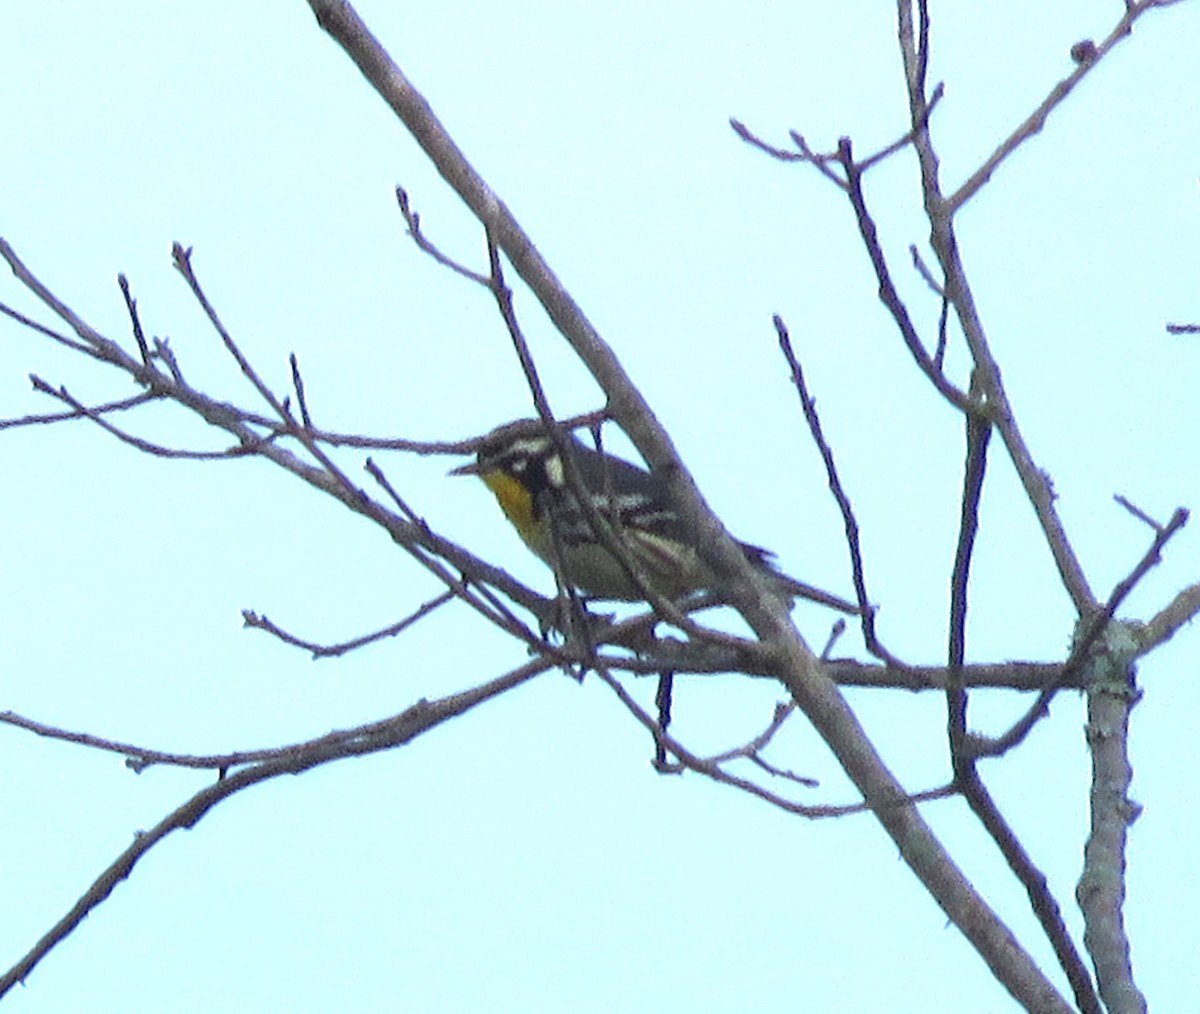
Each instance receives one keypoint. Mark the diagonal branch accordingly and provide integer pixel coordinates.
(1088, 55)
(849, 521)
(96, 415)
(887, 288)
(49, 418)
(1081, 653)
(794, 662)
(385, 735)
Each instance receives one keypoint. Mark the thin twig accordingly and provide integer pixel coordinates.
(419, 541)
(1137, 512)
(689, 761)
(700, 765)
(92, 340)
(135, 320)
(906, 138)
(478, 571)
(1093, 627)
(163, 351)
(887, 288)
(48, 418)
(138, 758)
(33, 325)
(804, 153)
(298, 387)
(936, 287)
(261, 622)
(413, 221)
(1035, 121)
(147, 446)
(849, 521)
(429, 549)
(753, 748)
(182, 258)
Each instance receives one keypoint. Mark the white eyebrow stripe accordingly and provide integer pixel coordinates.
(527, 447)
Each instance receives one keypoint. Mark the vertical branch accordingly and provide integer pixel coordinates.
(966, 773)
(1111, 696)
(979, 433)
(940, 213)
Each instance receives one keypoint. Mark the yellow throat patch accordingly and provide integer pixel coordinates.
(514, 500)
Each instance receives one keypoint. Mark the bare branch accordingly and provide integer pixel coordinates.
(939, 354)
(849, 521)
(988, 382)
(711, 768)
(1027, 676)
(33, 325)
(708, 768)
(182, 257)
(1137, 512)
(471, 567)
(55, 417)
(414, 536)
(1045, 906)
(977, 436)
(78, 409)
(1166, 623)
(966, 773)
(804, 153)
(413, 221)
(1081, 654)
(92, 340)
(1087, 55)
(907, 137)
(887, 289)
(753, 748)
(796, 665)
(385, 735)
(138, 758)
(1101, 891)
(255, 621)
(935, 286)
(824, 163)
(298, 387)
(135, 320)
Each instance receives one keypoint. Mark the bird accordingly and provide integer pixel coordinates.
(522, 466)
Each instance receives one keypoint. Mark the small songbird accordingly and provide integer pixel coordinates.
(522, 467)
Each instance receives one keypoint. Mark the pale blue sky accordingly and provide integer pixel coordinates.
(526, 858)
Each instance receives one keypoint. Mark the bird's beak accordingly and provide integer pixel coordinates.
(470, 468)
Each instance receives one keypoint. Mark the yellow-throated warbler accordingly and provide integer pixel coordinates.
(522, 467)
